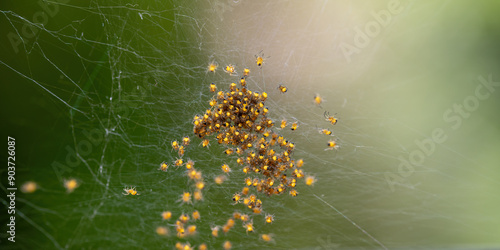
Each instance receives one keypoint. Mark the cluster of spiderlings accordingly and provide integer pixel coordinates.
(238, 119)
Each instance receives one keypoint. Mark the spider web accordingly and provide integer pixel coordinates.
(118, 81)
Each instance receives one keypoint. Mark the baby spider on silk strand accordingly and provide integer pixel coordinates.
(332, 145)
(212, 87)
(318, 100)
(283, 89)
(330, 118)
(185, 198)
(325, 131)
(259, 59)
(230, 69)
(212, 67)
(131, 191)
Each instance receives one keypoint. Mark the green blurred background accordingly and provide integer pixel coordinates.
(114, 82)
